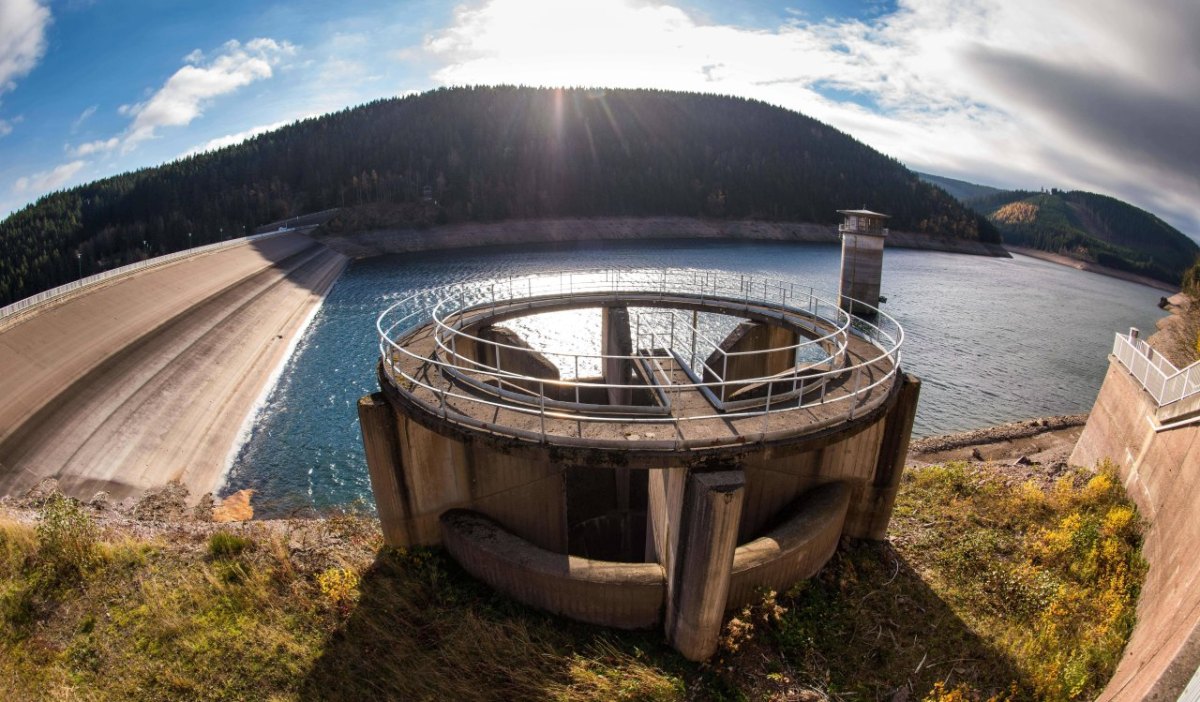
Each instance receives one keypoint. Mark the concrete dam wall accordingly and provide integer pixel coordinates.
(1160, 468)
(146, 378)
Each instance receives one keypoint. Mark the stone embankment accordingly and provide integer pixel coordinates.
(364, 244)
(149, 378)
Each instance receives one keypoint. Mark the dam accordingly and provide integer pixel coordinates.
(147, 375)
(97, 334)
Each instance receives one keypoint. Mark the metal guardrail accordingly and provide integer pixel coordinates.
(63, 290)
(1165, 383)
(447, 313)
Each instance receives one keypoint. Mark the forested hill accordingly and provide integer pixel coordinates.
(960, 189)
(1091, 227)
(483, 154)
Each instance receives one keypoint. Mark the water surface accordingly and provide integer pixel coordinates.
(993, 340)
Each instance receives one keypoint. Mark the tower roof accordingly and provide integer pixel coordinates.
(864, 213)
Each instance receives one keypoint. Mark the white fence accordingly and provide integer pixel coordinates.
(60, 291)
(1160, 378)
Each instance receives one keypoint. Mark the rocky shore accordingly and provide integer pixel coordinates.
(1044, 441)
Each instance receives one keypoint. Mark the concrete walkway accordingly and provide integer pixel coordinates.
(148, 378)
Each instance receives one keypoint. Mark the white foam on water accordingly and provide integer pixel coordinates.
(257, 411)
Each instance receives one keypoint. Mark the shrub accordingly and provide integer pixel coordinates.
(339, 586)
(67, 538)
(223, 545)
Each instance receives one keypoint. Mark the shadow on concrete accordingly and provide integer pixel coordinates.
(867, 627)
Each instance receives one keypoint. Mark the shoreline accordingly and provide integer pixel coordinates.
(582, 230)
(272, 381)
(1089, 267)
(1044, 441)
(1039, 445)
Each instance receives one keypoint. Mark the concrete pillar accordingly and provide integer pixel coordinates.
(752, 336)
(615, 340)
(874, 512)
(382, 447)
(664, 502)
(437, 477)
(862, 268)
(701, 561)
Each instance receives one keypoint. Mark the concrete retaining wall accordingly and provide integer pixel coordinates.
(632, 595)
(1161, 472)
(795, 550)
(622, 595)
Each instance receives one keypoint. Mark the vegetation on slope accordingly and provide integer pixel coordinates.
(1090, 227)
(1178, 336)
(993, 585)
(483, 154)
(960, 190)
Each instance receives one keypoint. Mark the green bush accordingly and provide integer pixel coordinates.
(67, 539)
(222, 545)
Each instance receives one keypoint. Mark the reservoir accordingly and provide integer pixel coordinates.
(993, 340)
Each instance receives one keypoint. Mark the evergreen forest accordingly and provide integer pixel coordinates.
(482, 154)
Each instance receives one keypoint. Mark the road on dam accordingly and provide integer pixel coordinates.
(148, 378)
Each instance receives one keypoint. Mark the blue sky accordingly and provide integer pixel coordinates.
(1100, 95)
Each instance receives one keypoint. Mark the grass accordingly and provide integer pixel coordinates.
(989, 588)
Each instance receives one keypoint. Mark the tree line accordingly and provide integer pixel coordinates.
(1094, 227)
(482, 154)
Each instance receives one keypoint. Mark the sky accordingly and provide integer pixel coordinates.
(1098, 95)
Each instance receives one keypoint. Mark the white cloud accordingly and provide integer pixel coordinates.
(22, 43)
(22, 39)
(83, 117)
(231, 139)
(45, 181)
(95, 147)
(185, 94)
(189, 91)
(1096, 94)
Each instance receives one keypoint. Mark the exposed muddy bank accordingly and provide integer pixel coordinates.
(1044, 441)
(1090, 267)
(376, 242)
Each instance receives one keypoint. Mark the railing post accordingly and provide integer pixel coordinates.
(695, 330)
(767, 413)
(854, 395)
(724, 373)
(542, 398)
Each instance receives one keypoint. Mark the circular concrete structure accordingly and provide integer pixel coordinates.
(719, 436)
(794, 365)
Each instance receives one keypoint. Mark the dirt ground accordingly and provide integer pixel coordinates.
(1031, 448)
